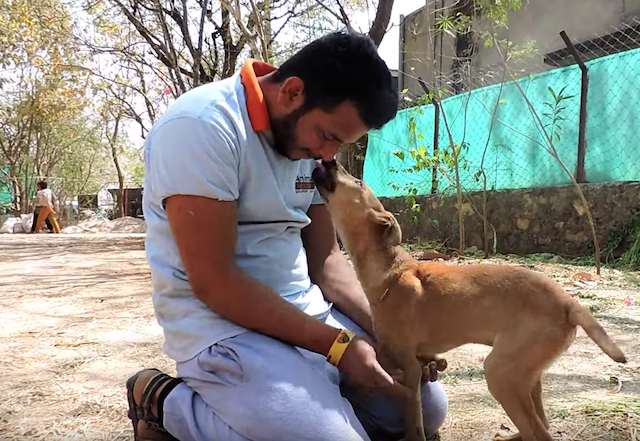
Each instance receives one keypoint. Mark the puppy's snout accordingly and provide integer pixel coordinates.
(324, 176)
(330, 166)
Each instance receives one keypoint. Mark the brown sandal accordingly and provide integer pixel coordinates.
(142, 411)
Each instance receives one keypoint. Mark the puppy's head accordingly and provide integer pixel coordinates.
(358, 215)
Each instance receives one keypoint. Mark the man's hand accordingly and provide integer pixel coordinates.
(360, 366)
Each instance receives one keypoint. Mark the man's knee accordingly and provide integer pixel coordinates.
(260, 416)
(434, 406)
(312, 415)
(386, 414)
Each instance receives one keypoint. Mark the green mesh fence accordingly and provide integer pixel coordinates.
(6, 195)
(512, 152)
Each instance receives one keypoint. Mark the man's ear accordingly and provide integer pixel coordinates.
(389, 227)
(291, 93)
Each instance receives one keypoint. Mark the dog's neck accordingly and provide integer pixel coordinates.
(376, 268)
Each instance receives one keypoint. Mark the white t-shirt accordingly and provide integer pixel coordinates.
(44, 198)
(205, 145)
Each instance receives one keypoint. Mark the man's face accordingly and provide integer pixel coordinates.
(315, 133)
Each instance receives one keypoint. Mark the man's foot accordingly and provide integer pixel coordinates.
(146, 392)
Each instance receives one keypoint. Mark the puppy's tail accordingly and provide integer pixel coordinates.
(580, 316)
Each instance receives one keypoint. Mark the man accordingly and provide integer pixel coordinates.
(249, 284)
(44, 211)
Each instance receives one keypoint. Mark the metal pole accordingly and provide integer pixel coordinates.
(584, 91)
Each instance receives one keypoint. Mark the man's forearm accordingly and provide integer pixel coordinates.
(205, 232)
(253, 305)
(340, 285)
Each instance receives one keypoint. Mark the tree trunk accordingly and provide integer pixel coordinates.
(113, 141)
(17, 195)
(121, 200)
(381, 21)
(231, 50)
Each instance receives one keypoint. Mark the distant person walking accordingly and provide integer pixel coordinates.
(44, 210)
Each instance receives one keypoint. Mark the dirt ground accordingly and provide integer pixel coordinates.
(76, 320)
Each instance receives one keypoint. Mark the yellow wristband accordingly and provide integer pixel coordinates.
(339, 345)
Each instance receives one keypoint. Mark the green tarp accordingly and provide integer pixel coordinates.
(514, 156)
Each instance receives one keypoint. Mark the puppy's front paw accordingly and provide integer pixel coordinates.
(441, 364)
(431, 368)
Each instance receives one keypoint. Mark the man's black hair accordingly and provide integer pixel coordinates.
(340, 67)
(42, 184)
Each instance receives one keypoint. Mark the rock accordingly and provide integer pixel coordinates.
(471, 250)
(432, 255)
(98, 225)
(86, 214)
(128, 225)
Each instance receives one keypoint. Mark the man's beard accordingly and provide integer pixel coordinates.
(284, 133)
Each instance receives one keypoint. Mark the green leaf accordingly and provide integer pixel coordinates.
(399, 154)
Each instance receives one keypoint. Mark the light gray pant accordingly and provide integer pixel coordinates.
(254, 388)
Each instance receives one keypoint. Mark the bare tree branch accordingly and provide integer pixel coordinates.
(345, 17)
(329, 10)
(381, 21)
(159, 49)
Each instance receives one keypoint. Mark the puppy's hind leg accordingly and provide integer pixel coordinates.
(511, 385)
(536, 396)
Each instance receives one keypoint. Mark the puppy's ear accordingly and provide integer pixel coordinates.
(389, 227)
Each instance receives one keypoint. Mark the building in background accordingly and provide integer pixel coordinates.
(454, 63)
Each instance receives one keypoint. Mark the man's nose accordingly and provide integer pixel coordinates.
(329, 151)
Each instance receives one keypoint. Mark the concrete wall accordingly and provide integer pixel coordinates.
(527, 221)
(631, 8)
(417, 45)
(542, 20)
(539, 21)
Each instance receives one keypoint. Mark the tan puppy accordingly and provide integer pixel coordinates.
(421, 310)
